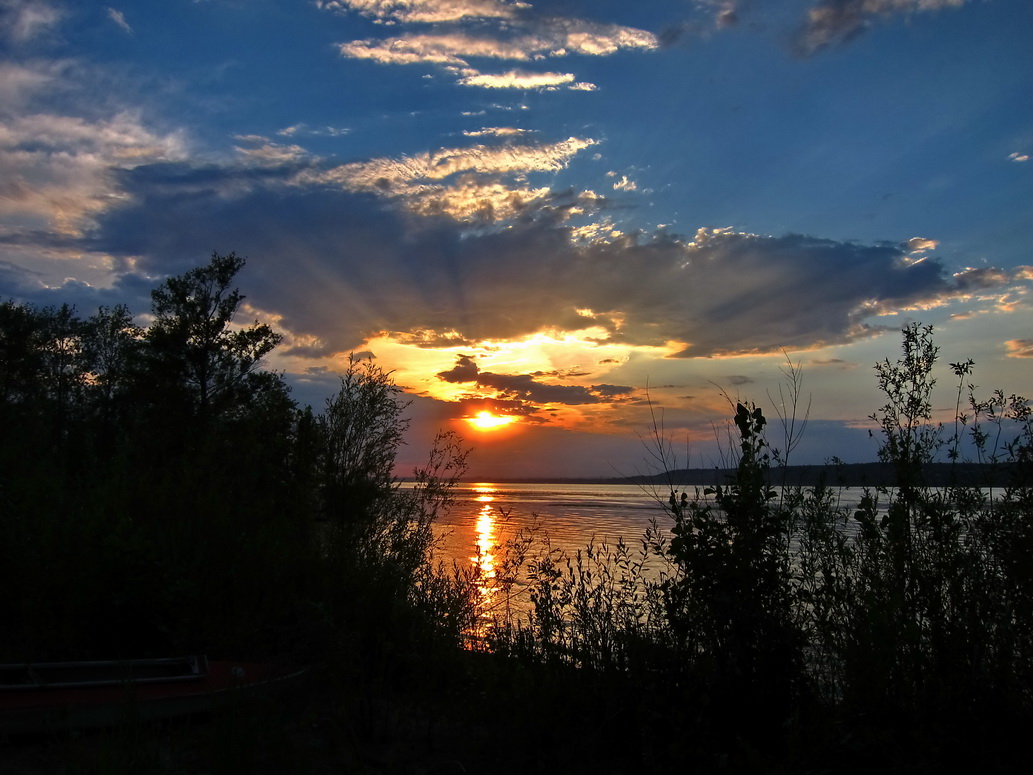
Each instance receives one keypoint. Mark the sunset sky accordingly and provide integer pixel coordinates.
(544, 210)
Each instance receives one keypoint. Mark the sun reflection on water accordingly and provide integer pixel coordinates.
(485, 557)
(486, 544)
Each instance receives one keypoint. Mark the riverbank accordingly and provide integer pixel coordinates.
(467, 712)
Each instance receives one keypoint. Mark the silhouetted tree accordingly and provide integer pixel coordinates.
(362, 428)
(193, 345)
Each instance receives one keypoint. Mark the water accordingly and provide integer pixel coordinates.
(487, 515)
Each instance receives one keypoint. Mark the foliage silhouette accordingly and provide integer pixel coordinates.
(160, 492)
(896, 635)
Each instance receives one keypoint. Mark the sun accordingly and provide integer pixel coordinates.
(486, 421)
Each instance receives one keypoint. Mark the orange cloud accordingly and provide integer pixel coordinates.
(1019, 348)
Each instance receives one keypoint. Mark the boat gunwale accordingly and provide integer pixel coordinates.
(197, 665)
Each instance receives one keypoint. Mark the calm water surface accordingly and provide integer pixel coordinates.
(571, 514)
(487, 515)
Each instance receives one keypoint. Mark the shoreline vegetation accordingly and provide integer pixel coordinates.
(162, 494)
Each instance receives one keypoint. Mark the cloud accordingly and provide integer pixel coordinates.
(480, 182)
(727, 15)
(452, 46)
(426, 11)
(465, 370)
(739, 380)
(525, 388)
(839, 21)
(1020, 348)
(20, 82)
(445, 49)
(341, 266)
(379, 174)
(980, 279)
(576, 36)
(837, 363)
(31, 286)
(624, 184)
(119, 18)
(562, 38)
(496, 131)
(921, 244)
(57, 162)
(517, 79)
(56, 170)
(264, 151)
(24, 20)
(526, 391)
(304, 129)
(613, 391)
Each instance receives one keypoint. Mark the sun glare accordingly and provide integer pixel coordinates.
(486, 421)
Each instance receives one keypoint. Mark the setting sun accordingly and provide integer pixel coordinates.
(486, 421)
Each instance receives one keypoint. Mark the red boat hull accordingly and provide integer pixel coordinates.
(42, 708)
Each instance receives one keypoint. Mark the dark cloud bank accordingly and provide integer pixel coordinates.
(341, 266)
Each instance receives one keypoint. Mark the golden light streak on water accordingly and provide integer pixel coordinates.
(486, 544)
(486, 541)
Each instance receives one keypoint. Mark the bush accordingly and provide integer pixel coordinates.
(908, 622)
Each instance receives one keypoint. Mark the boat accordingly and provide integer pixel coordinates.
(53, 696)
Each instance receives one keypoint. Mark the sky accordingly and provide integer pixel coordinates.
(594, 221)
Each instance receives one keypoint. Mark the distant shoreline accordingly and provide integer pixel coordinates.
(843, 475)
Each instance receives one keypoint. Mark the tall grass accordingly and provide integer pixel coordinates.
(903, 628)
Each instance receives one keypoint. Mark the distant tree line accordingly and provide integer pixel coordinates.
(839, 474)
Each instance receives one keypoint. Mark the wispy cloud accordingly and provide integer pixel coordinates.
(19, 82)
(119, 18)
(496, 131)
(436, 165)
(456, 48)
(264, 151)
(727, 13)
(446, 49)
(473, 190)
(24, 20)
(921, 244)
(511, 33)
(518, 79)
(426, 11)
(308, 131)
(624, 184)
(1020, 348)
(838, 21)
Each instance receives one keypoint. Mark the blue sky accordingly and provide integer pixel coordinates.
(559, 212)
